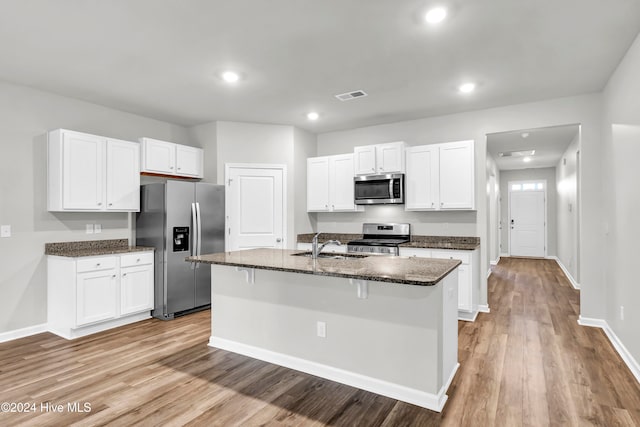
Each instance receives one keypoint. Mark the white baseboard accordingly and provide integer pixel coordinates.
(71, 333)
(504, 255)
(468, 316)
(575, 284)
(374, 385)
(627, 357)
(495, 261)
(23, 332)
(484, 308)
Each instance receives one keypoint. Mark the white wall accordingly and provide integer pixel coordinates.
(476, 125)
(27, 115)
(621, 146)
(493, 208)
(547, 174)
(206, 137)
(567, 212)
(304, 146)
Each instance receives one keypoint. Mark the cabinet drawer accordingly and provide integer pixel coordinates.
(411, 252)
(136, 258)
(95, 264)
(462, 256)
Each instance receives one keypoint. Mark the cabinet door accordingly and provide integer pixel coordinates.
(341, 177)
(421, 179)
(364, 159)
(318, 184)
(464, 288)
(96, 295)
(136, 289)
(189, 161)
(390, 157)
(158, 156)
(82, 171)
(457, 189)
(123, 175)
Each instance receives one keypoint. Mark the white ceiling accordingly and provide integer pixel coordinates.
(162, 58)
(549, 145)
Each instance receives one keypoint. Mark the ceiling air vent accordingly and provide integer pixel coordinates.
(351, 95)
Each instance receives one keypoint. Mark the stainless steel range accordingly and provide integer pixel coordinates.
(381, 238)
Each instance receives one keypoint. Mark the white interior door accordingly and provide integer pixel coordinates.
(255, 207)
(527, 228)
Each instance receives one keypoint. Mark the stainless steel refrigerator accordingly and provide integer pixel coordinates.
(180, 219)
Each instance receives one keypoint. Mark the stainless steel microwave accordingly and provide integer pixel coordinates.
(379, 189)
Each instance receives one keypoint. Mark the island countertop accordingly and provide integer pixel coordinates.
(394, 269)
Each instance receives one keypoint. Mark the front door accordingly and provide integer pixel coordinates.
(255, 206)
(527, 228)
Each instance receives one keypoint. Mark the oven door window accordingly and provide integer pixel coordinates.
(374, 189)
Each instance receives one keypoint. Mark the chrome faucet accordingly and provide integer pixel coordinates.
(315, 250)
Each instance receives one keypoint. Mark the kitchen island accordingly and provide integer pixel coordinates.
(384, 324)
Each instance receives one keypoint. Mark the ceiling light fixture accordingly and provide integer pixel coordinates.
(526, 159)
(230, 76)
(467, 87)
(436, 15)
(525, 134)
(313, 115)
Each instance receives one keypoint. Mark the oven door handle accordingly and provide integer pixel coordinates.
(391, 195)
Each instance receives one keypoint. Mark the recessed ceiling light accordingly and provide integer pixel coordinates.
(526, 159)
(436, 15)
(313, 115)
(467, 87)
(525, 134)
(230, 76)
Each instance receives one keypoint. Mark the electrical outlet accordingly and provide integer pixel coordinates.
(5, 231)
(97, 228)
(89, 228)
(622, 312)
(321, 329)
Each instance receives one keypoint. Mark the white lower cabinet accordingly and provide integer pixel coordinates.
(92, 294)
(468, 283)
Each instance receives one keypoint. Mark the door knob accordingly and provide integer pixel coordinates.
(278, 240)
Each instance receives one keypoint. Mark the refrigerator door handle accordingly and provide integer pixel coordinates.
(199, 231)
(194, 233)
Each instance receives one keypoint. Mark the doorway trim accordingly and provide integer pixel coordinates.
(509, 191)
(270, 166)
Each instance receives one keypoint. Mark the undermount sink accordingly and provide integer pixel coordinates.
(332, 255)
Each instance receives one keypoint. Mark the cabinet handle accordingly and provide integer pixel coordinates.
(138, 260)
(110, 204)
(170, 167)
(123, 274)
(179, 168)
(99, 203)
(98, 265)
(326, 206)
(373, 169)
(333, 206)
(441, 203)
(114, 276)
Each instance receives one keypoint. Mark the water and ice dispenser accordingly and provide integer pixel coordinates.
(180, 239)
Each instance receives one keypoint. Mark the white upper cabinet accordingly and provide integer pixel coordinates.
(440, 177)
(92, 173)
(189, 161)
(168, 158)
(330, 184)
(158, 156)
(457, 175)
(123, 175)
(421, 179)
(379, 159)
(318, 184)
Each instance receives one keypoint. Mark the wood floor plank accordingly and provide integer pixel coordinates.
(526, 363)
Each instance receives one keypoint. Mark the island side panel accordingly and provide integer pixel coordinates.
(393, 336)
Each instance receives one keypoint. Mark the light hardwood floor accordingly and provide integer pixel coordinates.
(527, 362)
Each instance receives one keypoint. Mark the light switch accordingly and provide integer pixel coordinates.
(97, 228)
(89, 228)
(5, 231)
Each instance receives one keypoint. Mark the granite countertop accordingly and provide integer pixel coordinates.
(92, 248)
(381, 268)
(427, 242)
